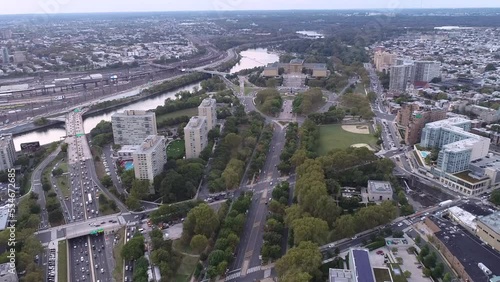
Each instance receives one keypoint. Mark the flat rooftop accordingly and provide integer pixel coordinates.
(133, 113)
(379, 187)
(196, 122)
(340, 275)
(207, 102)
(364, 271)
(475, 209)
(463, 216)
(466, 176)
(5, 139)
(448, 122)
(467, 248)
(492, 221)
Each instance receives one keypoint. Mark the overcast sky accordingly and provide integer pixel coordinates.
(84, 6)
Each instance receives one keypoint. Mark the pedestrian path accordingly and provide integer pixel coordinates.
(233, 276)
(254, 269)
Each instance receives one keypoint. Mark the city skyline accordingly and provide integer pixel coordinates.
(94, 6)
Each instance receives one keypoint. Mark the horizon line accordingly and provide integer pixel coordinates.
(256, 10)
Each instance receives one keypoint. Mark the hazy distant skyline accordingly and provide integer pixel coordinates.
(91, 6)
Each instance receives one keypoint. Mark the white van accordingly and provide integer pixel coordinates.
(141, 230)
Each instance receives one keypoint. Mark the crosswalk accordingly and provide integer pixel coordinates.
(233, 276)
(253, 269)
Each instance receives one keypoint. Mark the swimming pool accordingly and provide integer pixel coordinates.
(424, 154)
(128, 165)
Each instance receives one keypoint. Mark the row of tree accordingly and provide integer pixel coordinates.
(333, 115)
(234, 149)
(27, 245)
(134, 250)
(357, 105)
(291, 145)
(269, 101)
(183, 100)
(275, 224)
(102, 134)
(179, 180)
(173, 84)
(261, 150)
(305, 102)
(164, 255)
(229, 236)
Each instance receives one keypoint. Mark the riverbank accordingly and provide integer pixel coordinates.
(29, 127)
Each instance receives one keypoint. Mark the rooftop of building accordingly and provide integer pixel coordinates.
(463, 216)
(207, 102)
(5, 139)
(467, 248)
(296, 61)
(362, 265)
(133, 113)
(492, 221)
(379, 187)
(315, 66)
(461, 145)
(453, 121)
(468, 177)
(4, 216)
(475, 209)
(128, 148)
(196, 122)
(6, 274)
(340, 275)
(149, 143)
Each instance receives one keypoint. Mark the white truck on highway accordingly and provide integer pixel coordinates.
(90, 198)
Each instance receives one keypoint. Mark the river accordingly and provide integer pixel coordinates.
(250, 58)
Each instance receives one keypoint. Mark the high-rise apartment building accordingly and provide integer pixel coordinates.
(132, 127)
(195, 136)
(458, 147)
(7, 152)
(5, 56)
(208, 109)
(412, 117)
(150, 157)
(427, 70)
(383, 60)
(401, 76)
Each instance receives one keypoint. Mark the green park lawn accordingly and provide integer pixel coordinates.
(175, 149)
(62, 261)
(186, 112)
(334, 137)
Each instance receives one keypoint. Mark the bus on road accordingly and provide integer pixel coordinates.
(90, 198)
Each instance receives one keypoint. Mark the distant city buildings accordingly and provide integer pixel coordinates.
(405, 72)
(5, 56)
(132, 127)
(149, 158)
(7, 151)
(19, 57)
(208, 109)
(195, 136)
(296, 66)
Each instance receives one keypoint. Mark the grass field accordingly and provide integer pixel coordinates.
(62, 180)
(186, 112)
(360, 89)
(118, 271)
(62, 261)
(334, 137)
(175, 149)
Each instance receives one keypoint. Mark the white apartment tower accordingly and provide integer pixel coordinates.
(427, 70)
(7, 152)
(401, 75)
(150, 157)
(195, 136)
(132, 127)
(208, 109)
